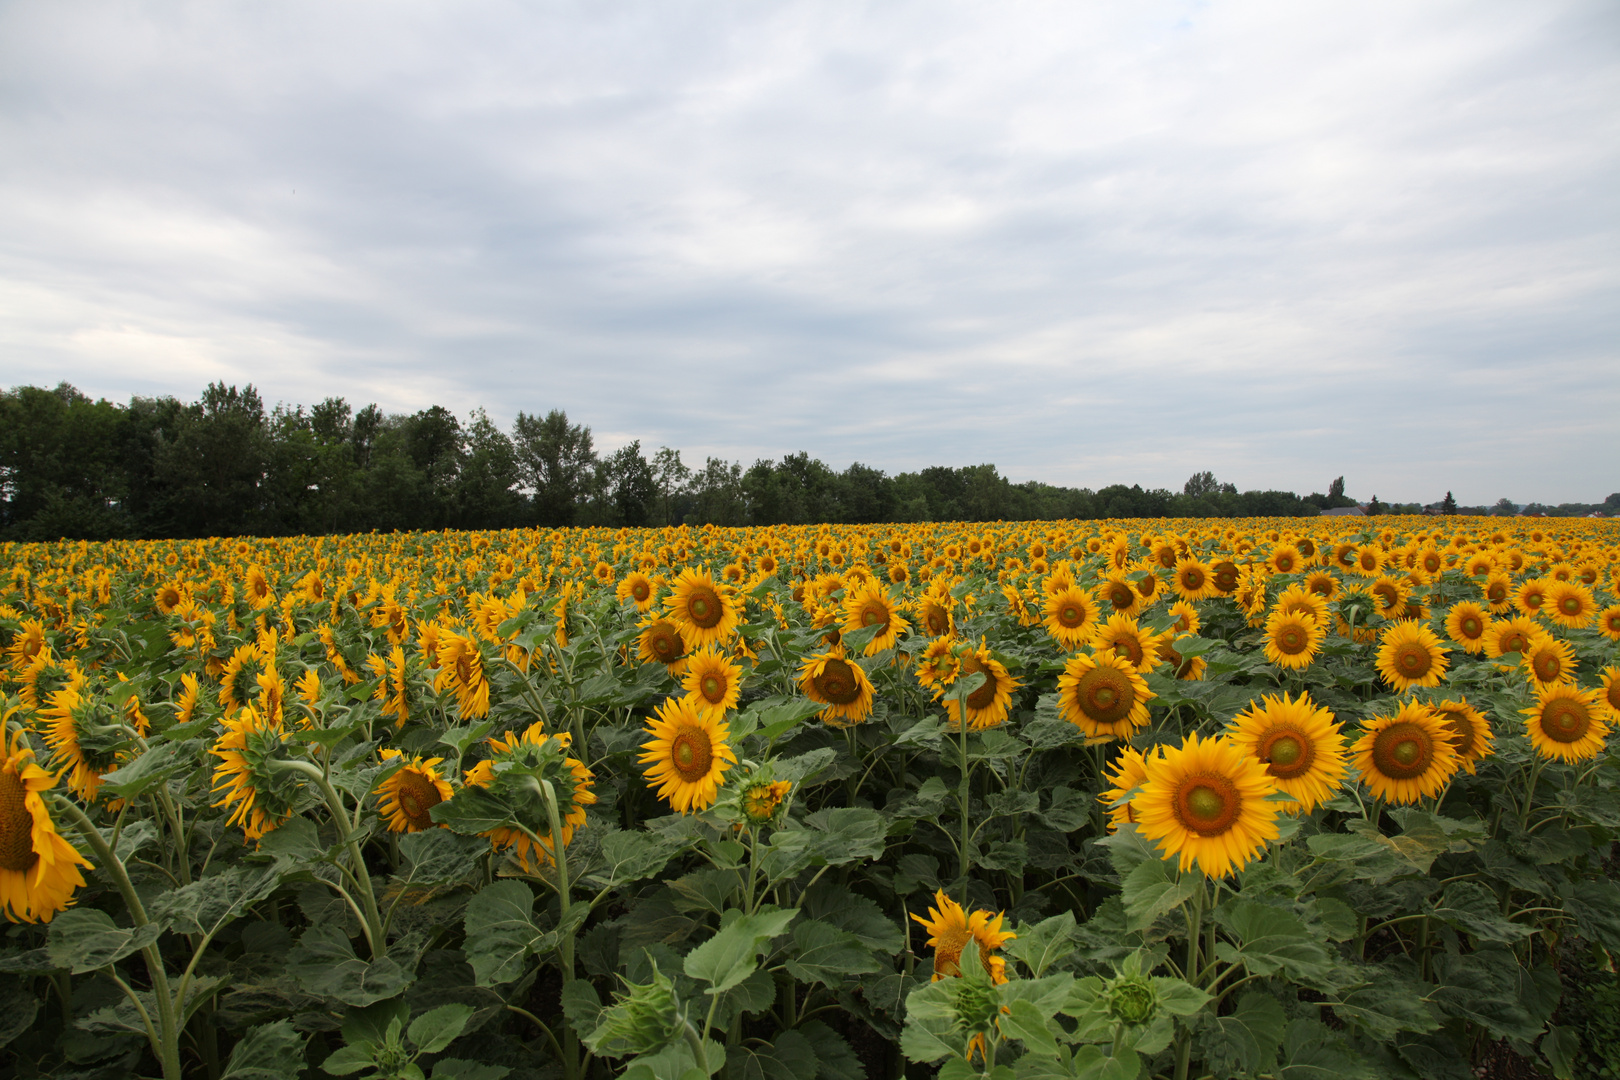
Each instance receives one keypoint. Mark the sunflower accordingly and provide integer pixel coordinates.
(868, 606)
(169, 596)
(1531, 596)
(1511, 636)
(1369, 560)
(830, 679)
(988, 705)
(405, 798)
(1125, 775)
(1071, 616)
(1389, 595)
(1610, 700)
(185, 704)
(461, 669)
(1298, 600)
(1187, 618)
(526, 759)
(934, 614)
(1300, 745)
(1103, 695)
(704, 609)
(951, 930)
(938, 665)
(1293, 639)
(246, 777)
(1408, 756)
(1224, 577)
(1116, 592)
(258, 589)
(1498, 592)
(1322, 583)
(1570, 605)
(39, 870)
(248, 660)
(1466, 624)
(1608, 622)
(391, 685)
(29, 644)
(1121, 634)
(1471, 732)
(1564, 724)
(1410, 655)
(687, 756)
(713, 681)
(1549, 661)
(761, 800)
(1187, 668)
(1207, 801)
(661, 642)
(1285, 559)
(84, 740)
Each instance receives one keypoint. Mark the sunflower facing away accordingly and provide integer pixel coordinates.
(534, 754)
(246, 778)
(1293, 638)
(461, 669)
(1071, 616)
(39, 870)
(405, 798)
(830, 679)
(1408, 756)
(951, 930)
(1470, 731)
(1103, 695)
(1125, 775)
(704, 608)
(1410, 655)
(1300, 745)
(1207, 801)
(1564, 724)
(712, 681)
(687, 756)
(1609, 700)
(83, 739)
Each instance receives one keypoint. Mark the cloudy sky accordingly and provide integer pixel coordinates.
(1088, 242)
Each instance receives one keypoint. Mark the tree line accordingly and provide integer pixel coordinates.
(223, 465)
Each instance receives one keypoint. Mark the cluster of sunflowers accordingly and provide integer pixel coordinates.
(1225, 678)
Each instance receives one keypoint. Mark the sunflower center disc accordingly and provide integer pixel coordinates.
(1414, 661)
(712, 688)
(837, 683)
(16, 826)
(1286, 750)
(1070, 617)
(1547, 668)
(1565, 721)
(1470, 627)
(1291, 641)
(417, 796)
(1403, 751)
(692, 754)
(1208, 805)
(1571, 606)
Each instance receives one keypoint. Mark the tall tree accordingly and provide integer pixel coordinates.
(671, 477)
(1448, 505)
(557, 462)
(213, 466)
(629, 485)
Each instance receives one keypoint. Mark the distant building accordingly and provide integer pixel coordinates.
(1345, 511)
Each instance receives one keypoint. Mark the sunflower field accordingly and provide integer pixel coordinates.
(1105, 800)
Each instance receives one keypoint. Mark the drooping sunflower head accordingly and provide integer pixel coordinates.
(39, 870)
(249, 778)
(951, 930)
(530, 760)
(85, 738)
(1407, 756)
(1565, 723)
(1299, 744)
(1207, 801)
(705, 610)
(1103, 695)
(1186, 668)
(1071, 615)
(1410, 655)
(1471, 732)
(713, 680)
(868, 606)
(687, 755)
(831, 679)
(405, 800)
(1466, 624)
(461, 670)
(1548, 660)
(1293, 638)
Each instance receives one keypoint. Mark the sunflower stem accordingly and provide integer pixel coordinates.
(372, 923)
(964, 793)
(1530, 792)
(565, 947)
(166, 1039)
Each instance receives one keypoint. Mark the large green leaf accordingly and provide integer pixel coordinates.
(17, 1010)
(1482, 986)
(207, 906)
(731, 955)
(1475, 910)
(825, 954)
(1312, 1051)
(152, 768)
(502, 932)
(630, 856)
(84, 939)
(324, 964)
(847, 834)
(1390, 999)
(836, 906)
(1152, 889)
(835, 1060)
(268, 1052)
(1044, 944)
(789, 1057)
(1271, 940)
(437, 1028)
(1245, 1042)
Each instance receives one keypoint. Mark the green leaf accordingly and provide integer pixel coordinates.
(1271, 941)
(502, 933)
(1483, 987)
(1391, 1000)
(268, 1052)
(17, 1010)
(1595, 903)
(1024, 1022)
(474, 810)
(437, 1028)
(1044, 944)
(837, 906)
(790, 1057)
(84, 939)
(438, 856)
(324, 964)
(1246, 1041)
(1179, 998)
(631, 856)
(1311, 1051)
(1561, 1046)
(846, 834)
(152, 768)
(825, 954)
(1474, 909)
(369, 1025)
(1153, 889)
(207, 906)
(457, 1069)
(835, 1060)
(349, 1059)
(731, 955)
(805, 766)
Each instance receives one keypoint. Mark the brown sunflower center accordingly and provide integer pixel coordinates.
(874, 615)
(1388, 598)
(714, 688)
(1207, 805)
(640, 590)
(1192, 579)
(1412, 660)
(664, 642)
(1613, 694)
(1496, 592)
(703, 606)
(1292, 640)
(1565, 721)
(1105, 695)
(16, 825)
(416, 795)
(935, 619)
(1471, 626)
(984, 695)
(1570, 605)
(837, 682)
(1289, 752)
(1121, 595)
(1403, 751)
(1548, 665)
(1285, 564)
(692, 754)
(1515, 642)
(1459, 727)
(1130, 648)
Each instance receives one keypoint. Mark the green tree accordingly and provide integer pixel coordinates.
(1448, 505)
(557, 461)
